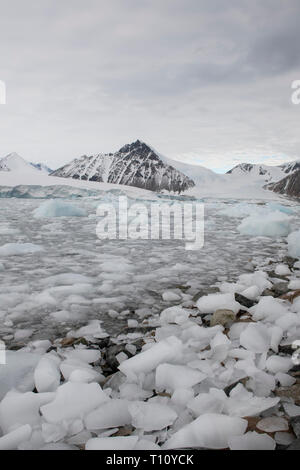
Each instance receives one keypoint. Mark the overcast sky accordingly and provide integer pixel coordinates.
(204, 81)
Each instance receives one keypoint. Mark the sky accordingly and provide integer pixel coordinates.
(202, 81)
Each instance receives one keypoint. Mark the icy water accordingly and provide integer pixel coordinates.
(40, 292)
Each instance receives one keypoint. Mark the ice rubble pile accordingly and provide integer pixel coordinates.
(190, 386)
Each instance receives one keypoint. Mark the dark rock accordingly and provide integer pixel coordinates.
(138, 329)
(272, 274)
(289, 261)
(268, 293)
(244, 301)
(295, 445)
(110, 361)
(287, 349)
(103, 343)
(281, 288)
(223, 317)
(295, 423)
(289, 186)
(290, 392)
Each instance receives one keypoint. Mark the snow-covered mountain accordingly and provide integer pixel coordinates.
(13, 162)
(141, 166)
(265, 173)
(290, 167)
(42, 167)
(288, 186)
(135, 164)
(199, 174)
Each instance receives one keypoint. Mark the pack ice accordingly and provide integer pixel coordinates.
(105, 371)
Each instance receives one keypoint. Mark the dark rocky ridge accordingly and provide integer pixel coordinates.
(289, 186)
(135, 164)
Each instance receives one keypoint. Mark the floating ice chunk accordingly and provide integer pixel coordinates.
(73, 400)
(112, 443)
(85, 355)
(18, 372)
(171, 377)
(12, 440)
(288, 321)
(167, 350)
(174, 315)
(212, 402)
(19, 249)
(291, 409)
(62, 316)
(53, 432)
(251, 292)
(279, 207)
(121, 357)
(85, 376)
(250, 407)
(182, 396)
(258, 279)
(56, 208)
(239, 210)
(219, 340)
(90, 331)
(274, 224)
(229, 287)
(132, 323)
(256, 338)
(294, 284)
(71, 365)
(133, 392)
(273, 424)
(212, 302)
(111, 414)
(65, 279)
(282, 270)
(169, 296)
(252, 441)
(269, 309)
(294, 244)
(22, 334)
(276, 364)
(276, 337)
(47, 375)
(211, 431)
(242, 403)
(17, 409)
(151, 416)
(41, 346)
(285, 380)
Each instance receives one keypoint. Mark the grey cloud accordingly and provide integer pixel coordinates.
(89, 76)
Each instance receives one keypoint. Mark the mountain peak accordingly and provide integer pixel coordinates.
(13, 162)
(135, 164)
(137, 145)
